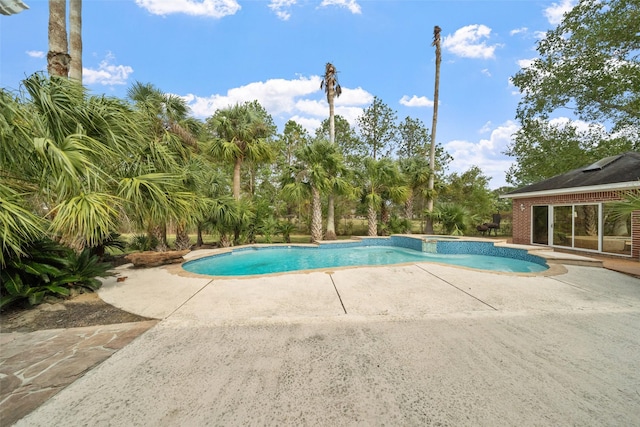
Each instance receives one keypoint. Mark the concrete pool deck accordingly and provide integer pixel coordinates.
(416, 344)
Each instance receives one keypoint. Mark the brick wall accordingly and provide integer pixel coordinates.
(522, 214)
(635, 235)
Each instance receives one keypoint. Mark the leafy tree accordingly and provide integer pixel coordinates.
(293, 137)
(353, 150)
(469, 191)
(544, 149)
(378, 129)
(414, 138)
(590, 64)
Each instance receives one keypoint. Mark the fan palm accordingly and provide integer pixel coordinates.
(417, 173)
(240, 134)
(380, 177)
(310, 176)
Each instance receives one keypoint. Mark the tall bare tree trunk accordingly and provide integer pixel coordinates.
(432, 148)
(58, 56)
(316, 216)
(333, 89)
(75, 39)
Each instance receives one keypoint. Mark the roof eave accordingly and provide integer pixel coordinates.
(618, 186)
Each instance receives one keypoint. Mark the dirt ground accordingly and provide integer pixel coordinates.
(82, 310)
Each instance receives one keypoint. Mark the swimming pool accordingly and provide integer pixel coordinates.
(250, 261)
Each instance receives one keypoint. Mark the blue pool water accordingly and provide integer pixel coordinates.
(254, 261)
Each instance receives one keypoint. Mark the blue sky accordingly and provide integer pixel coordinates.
(219, 52)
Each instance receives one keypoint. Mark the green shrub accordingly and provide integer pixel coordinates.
(142, 242)
(48, 269)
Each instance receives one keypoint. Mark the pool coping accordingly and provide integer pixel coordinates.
(555, 260)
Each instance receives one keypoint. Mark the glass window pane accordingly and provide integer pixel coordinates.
(616, 236)
(562, 226)
(540, 233)
(586, 227)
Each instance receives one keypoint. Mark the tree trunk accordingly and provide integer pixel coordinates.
(408, 212)
(182, 237)
(75, 39)
(236, 179)
(372, 220)
(58, 56)
(316, 218)
(159, 233)
(224, 240)
(432, 147)
(199, 240)
(331, 220)
(385, 214)
(332, 123)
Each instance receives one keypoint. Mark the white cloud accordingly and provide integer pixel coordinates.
(485, 128)
(486, 72)
(468, 42)
(416, 101)
(357, 96)
(540, 35)
(36, 53)
(485, 153)
(281, 8)
(524, 63)
(518, 31)
(580, 125)
(310, 124)
(556, 11)
(107, 73)
(299, 99)
(352, 5)
(212, 8)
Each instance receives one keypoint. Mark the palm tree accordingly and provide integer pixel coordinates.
(338, 185)
(165, 118)
(417, 173)
(239, 135)
(380, 177)
(310, 176)
(52, 143)
(58, 58)
(432, 147)
(333, 89)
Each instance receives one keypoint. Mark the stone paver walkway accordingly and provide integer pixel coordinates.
(36, 365)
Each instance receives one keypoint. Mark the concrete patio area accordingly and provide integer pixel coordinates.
(418, 344)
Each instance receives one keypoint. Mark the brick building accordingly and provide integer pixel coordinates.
(574, 210)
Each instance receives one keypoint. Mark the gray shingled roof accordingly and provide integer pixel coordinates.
(611, 170)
